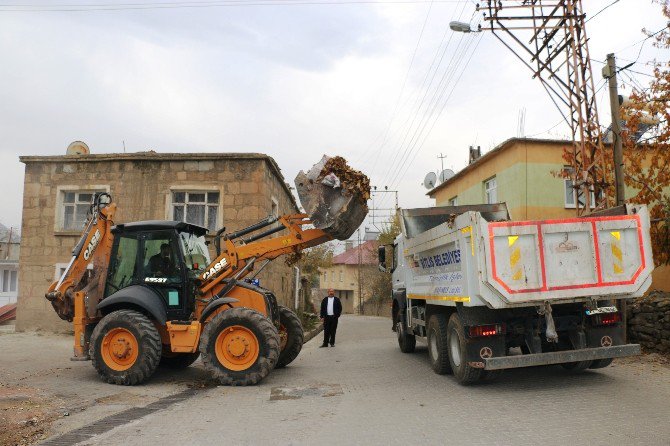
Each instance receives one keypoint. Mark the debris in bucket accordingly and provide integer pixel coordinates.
(353, 181)
(334, 196)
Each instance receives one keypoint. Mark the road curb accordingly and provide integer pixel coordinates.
(311, 334)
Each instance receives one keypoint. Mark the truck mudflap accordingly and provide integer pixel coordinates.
(530, 360)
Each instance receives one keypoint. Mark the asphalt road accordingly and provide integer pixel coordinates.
(365, 391)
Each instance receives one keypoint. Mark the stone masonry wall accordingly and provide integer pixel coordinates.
(142, 190)
(649, 322)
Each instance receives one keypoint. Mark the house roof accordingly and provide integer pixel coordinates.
(490, 154)
(367, 251)
(155, 156)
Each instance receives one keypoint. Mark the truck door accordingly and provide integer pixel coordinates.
(162, 269)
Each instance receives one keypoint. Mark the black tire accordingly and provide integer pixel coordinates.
(177, 360)
(406, 341)
(577, 366)
(267, 339)
(437, 344)
(291, 336)
(601, 363)
(464, 373)
(147, 340)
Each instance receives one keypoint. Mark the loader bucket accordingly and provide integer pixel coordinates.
(334, 196)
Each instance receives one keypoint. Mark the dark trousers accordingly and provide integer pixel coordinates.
(329, 329)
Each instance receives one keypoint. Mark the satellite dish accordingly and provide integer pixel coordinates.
(430, 180)
(78, 148)
(446, 174)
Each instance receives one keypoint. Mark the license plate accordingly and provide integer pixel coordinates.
(601, 310)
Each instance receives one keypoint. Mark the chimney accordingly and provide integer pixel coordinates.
(348, 244)
(474, 154)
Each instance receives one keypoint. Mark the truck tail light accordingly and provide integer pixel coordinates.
(486, 330)
(606, 318)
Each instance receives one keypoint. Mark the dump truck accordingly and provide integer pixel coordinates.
(488, 294)
(140, 294)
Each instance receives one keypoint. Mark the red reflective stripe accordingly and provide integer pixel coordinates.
(539, 223)
(597, 248)
(540, 244)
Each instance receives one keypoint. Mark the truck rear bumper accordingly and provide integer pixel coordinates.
(586, 354)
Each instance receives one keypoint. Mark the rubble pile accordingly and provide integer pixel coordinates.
(352, 181)
(649, 322)
(334, 196)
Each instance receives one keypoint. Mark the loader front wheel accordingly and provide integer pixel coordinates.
(291, 336)
(125, 348)
(239, 347)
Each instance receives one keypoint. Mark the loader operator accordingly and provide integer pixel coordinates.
(161, 265)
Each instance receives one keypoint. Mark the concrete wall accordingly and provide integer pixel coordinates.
(141, 185)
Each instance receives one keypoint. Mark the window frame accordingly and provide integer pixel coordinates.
(488, 190)
(59, 220)
(9, 272)
(196, 189)
(573, 205)
(453, 201)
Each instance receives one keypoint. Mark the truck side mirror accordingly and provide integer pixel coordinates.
(381, 252)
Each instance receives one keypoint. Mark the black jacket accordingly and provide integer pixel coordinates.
(337, 307)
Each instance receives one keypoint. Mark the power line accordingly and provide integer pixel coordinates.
(596, 14)
(404, 82)
(212, 4)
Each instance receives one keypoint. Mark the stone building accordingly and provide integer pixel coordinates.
(344, 274)
(9, 264)
(210, 189)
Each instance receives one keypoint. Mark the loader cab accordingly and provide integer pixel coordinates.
(164, 256)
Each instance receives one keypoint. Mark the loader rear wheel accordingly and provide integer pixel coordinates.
(291, 336)
(437, 344)
(173, 360)
(125, 347)
(464, 373)
(239, 347)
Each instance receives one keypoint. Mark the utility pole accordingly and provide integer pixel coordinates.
(609, 73)
(442, 157)
(360, 285)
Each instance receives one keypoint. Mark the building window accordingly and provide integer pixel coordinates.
(453, 201)
(573, 195)
(340, 276)
(274, 210)
(491, 191)
(8, 281)
(196, 207)
(75, 207)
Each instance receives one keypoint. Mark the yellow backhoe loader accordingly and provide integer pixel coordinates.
(153, 295)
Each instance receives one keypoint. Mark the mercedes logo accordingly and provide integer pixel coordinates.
(486, 352)
(606, 341)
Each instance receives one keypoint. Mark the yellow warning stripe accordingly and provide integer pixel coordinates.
(446, 298)
(617, 254)
(472, 240)
(514, 257)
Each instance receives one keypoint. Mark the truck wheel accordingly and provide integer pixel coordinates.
(125, 347)
(291, 336)
(577, 366)
(239, 347)
(601, 363)
(173, 360)
(406, 341)
(437, 344)
(464, 373)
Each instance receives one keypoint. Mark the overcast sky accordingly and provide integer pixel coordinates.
(292, 81)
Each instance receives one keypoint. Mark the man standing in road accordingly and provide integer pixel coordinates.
(331, 308)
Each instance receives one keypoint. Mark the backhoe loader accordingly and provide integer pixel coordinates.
(154, 297)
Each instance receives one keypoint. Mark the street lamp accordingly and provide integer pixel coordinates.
(460, 27)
